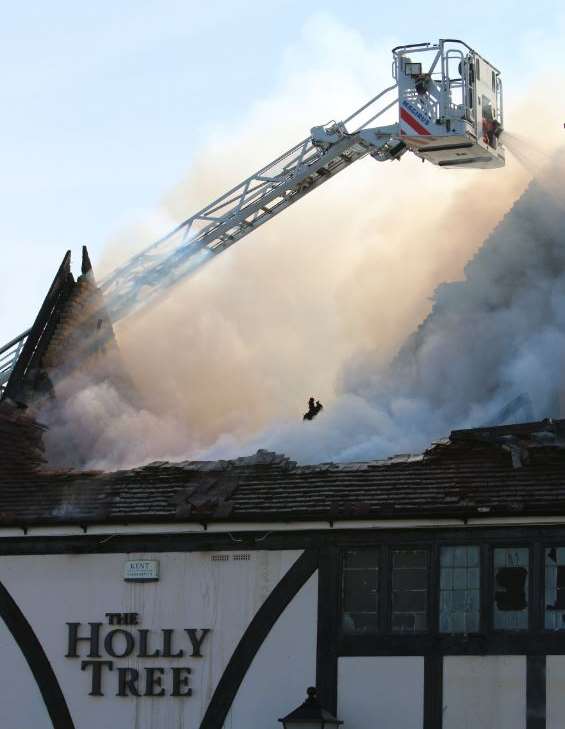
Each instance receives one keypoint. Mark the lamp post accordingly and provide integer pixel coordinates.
(310, 715)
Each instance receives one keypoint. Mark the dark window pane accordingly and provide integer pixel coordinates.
(360, 591)
(360, 622)
(403, 622)
(361, 558)
(410, 590)
(512, 593)
(406, 558)
(409, 601)
(410, 579)
(459, 590)
(511, 588)
(555, 588)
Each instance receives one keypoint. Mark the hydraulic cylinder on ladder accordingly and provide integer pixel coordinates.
(450, 113)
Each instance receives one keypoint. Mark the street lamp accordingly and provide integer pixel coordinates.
(310, 715)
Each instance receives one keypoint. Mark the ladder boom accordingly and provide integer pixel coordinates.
(238, 212)
(450, 113)
(150, 274)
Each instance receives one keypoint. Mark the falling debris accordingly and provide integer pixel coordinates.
(314, 408)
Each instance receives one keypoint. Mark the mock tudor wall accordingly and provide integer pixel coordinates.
(20, 698)
(388, 687)
(197, 591)
(274, 628)
(484, 691)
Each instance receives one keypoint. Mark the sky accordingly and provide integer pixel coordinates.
(107, 105)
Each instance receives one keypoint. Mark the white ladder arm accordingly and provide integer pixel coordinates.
(241, 210)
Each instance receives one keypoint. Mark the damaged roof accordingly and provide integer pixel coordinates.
(28, 374)
(506, 470)
(21, 443)
(72, 332)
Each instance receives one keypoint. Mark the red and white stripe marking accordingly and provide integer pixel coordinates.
(411, 124)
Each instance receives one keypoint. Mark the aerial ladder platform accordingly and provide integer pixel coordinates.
(450, 113)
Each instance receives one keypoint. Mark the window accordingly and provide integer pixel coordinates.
(410, 590)
(459, 606)
(493, 80)
(478, 69)
(511, 567)
(388, 588)
(555, 588)
(360, 591)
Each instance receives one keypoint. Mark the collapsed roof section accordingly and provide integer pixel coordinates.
(72, 332)
(473, 474)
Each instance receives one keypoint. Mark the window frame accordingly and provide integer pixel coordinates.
(479, 546)
(380, 570)
(428, 548)
(514, 544)
(384, 604)
(384, 642)
(542, 546)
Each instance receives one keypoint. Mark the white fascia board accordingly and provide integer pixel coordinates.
(234, 528)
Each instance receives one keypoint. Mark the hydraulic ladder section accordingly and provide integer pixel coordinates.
(241, 210)
(437, 120)
(148, 276)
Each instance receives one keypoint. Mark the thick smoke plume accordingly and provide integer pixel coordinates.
(321, 300)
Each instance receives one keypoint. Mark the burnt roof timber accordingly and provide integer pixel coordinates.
(41, 331)
(475, 482)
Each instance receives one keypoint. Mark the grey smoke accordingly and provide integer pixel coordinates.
(239, 348)
(95, 425)
(494, 336)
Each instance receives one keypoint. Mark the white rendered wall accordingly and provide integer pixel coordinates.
(193, 592)
(21, 704)
(381, 692)
(484, 691)
(283, 668)
(555, 691)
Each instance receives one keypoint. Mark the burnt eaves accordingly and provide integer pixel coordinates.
(469, 476)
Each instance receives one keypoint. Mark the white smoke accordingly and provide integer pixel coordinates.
(491, 338)
(320, 301)
(95, 426)
(497, 335)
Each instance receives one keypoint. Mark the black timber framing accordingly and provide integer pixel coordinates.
(433, 661)
(35, 656)
(328, 617)
(535, 692)
(333, 541)
(40, 334)
(257, 630)
(433, 691)
(536, 586)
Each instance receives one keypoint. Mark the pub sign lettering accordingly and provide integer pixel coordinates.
(100, 650)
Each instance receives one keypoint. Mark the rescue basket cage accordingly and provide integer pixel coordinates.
(450, 103)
